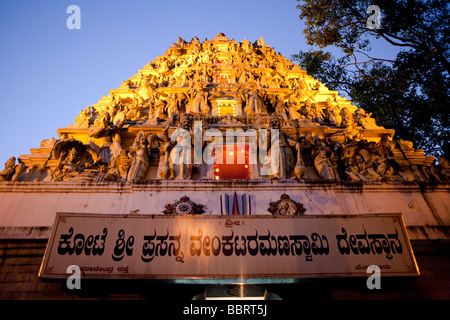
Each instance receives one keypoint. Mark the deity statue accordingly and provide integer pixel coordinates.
(283, 166)
(293, 104)
(172, 107)
(254, 101)
(140, 153)
(322, 161)
(286, 207)
(181, 155)
(102, 129)
(306, 110)
(349, 133)
(317, 113)
(158, 107)
(366, 161)
(263, 80)
(279, 106)
(10, 168)
(333, 112)
(365, 120)
(82, 121)
(108, 173)
(243, 76)
(68, 165)
(198, 100)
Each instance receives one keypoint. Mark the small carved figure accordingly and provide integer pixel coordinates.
(8, 173)
(198, 99)
(183, 206)
(253, 101)
(286, 207)
(293, 106)
(68, 165)
(279, 107)
(322, 162)
(334, 115)
(139, 152)
(82, 121)
(172, 107)
(318, 113)
(307, 111)
(179, 155)
(281, 166)
(365, 120)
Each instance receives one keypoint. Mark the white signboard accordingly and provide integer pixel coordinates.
(214, 247)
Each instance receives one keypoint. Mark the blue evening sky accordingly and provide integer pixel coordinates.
(48, 72)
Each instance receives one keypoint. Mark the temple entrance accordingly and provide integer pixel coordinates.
(223, 79)
(226, 107)
(232, 162)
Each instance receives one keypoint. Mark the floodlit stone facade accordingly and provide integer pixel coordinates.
(235, 128)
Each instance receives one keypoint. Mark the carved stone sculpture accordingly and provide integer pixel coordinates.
(280, 156)
(286, 207)
(8, 172)
(68, 165)
(139, 152)
(322, 162)
(253, 85)
(183, 206)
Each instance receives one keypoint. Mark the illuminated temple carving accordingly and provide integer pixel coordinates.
(223, 85)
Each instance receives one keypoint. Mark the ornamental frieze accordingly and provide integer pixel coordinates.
(183, 111)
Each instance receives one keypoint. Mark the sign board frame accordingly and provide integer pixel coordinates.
(222, 249)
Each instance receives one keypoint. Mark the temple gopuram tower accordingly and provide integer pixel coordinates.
(216, 147)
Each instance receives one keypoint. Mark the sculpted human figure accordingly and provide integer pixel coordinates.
(322, 162)
(158, 107)
(263, 80)
(365, 119)
(352, 169)
(68, 164)
(361, 168)
(334, 114)
(306, 110)
(347, 118)
(318, 113)
(8, 173)
(82, 121)
(254, 101)
(293, 106)
(279, 107)
(102, 129)
(207, 75)
(283, 166)
(349, 133)
(366, 166)
(181, 155)
(108, 173)
(198, 99)
(139, 152)
(172, 106)
(243, 76)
